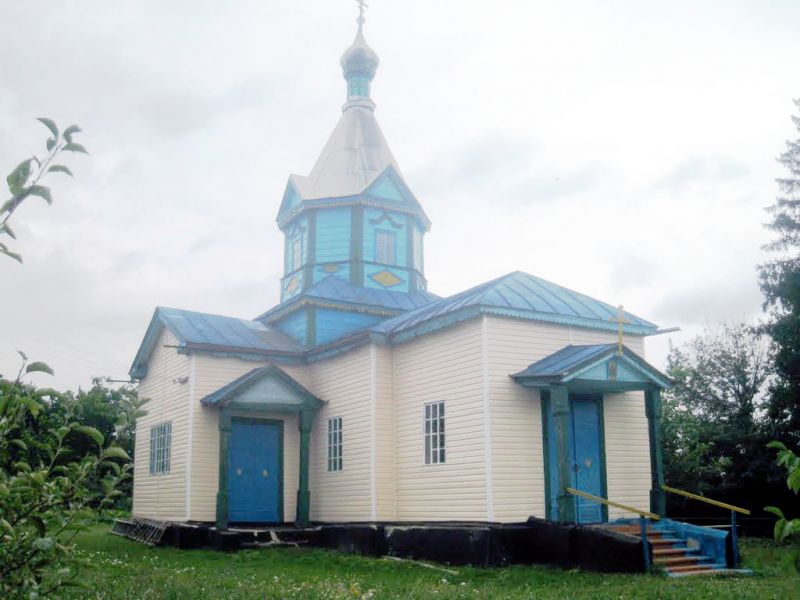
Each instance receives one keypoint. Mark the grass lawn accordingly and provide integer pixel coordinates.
(125, 569)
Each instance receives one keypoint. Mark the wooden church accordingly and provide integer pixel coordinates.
(363, 397)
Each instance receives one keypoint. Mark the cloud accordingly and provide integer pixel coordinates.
(596, 150)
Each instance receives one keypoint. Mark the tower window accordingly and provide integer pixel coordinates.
(296, 253)
(385, 247)
(434, 433)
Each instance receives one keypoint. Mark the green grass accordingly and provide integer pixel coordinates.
(125, 569)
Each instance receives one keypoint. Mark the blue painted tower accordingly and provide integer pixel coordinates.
(354, 231)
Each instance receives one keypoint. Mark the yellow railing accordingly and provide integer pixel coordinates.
(601, 500)
(672, 490)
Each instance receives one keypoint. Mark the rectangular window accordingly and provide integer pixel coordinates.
(335, 444)
(296, 253)
(434, 433)
(160, 448)
(385, 242)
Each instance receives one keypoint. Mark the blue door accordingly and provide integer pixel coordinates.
(586, 456)
(255, 472)
(587, 472)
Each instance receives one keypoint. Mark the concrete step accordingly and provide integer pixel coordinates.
(673, 552)
(690, 569)
(659, 542)
(676, 561)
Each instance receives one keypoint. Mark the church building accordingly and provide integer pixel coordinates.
(364, 397)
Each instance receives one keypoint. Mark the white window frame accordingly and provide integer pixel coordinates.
(385, 247)
(434, 431)
(335, 445)
(160, 448)
(295, 252)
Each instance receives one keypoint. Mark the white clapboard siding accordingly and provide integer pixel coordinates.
(517, 442)
(344, 383)
(385, 450)
(441, 366)
(210, 374)
(627, 452)
(163, 496)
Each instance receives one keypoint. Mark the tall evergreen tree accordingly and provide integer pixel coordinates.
(780, 283)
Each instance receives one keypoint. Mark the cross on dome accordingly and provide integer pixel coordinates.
(359, 63)
(362, 6)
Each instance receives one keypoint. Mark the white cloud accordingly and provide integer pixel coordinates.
(623, 150)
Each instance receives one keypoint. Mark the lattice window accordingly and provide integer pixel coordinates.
(434, 433)
(385, 247)
(335, 460)
(160, 448)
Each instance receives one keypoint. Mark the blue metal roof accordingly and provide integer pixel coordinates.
(573, 363)
(336, 289)
(565, 360)
(213, 332)
(518, 295)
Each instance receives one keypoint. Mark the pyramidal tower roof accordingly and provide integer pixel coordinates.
(356, 153)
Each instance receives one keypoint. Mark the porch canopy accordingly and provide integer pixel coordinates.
(595, 368)
(604, 369)
(264, 389)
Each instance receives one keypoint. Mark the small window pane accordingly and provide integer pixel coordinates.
(434, 433)
(160, 448)
(335, 460)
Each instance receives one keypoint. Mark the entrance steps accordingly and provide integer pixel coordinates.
(677, 552)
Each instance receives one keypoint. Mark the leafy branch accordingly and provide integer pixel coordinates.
(26, 179)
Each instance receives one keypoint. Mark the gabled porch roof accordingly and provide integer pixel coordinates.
(265, 388)
(599, 367)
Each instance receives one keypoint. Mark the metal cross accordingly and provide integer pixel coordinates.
(362, 6)
(621, 321)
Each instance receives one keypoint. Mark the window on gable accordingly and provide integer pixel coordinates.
(160, 448)
(385, 244)
(335, 461)
(434, 433)
(295, 253)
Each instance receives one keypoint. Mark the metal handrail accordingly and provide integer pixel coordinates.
(643, 516)
(730, 507)
(672, 490)
(606, 501)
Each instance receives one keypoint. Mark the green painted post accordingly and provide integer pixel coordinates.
(305, 418)
(559, 398)
(734, 542)
(311, 251)
(658, 498)
(311, 326)
(645, 543)
(222, 491)
(357, 246)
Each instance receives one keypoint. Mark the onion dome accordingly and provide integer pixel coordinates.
(359, 63)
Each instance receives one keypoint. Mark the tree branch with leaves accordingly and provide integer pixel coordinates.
(26, 179)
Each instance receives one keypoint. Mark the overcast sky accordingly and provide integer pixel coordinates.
(622, 149)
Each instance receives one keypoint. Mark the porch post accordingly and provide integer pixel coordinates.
(652, 404)
(304, 419)
(559, 398)
(222, 491)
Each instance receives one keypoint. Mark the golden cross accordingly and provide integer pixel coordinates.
(621, 321)
(362, 5)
